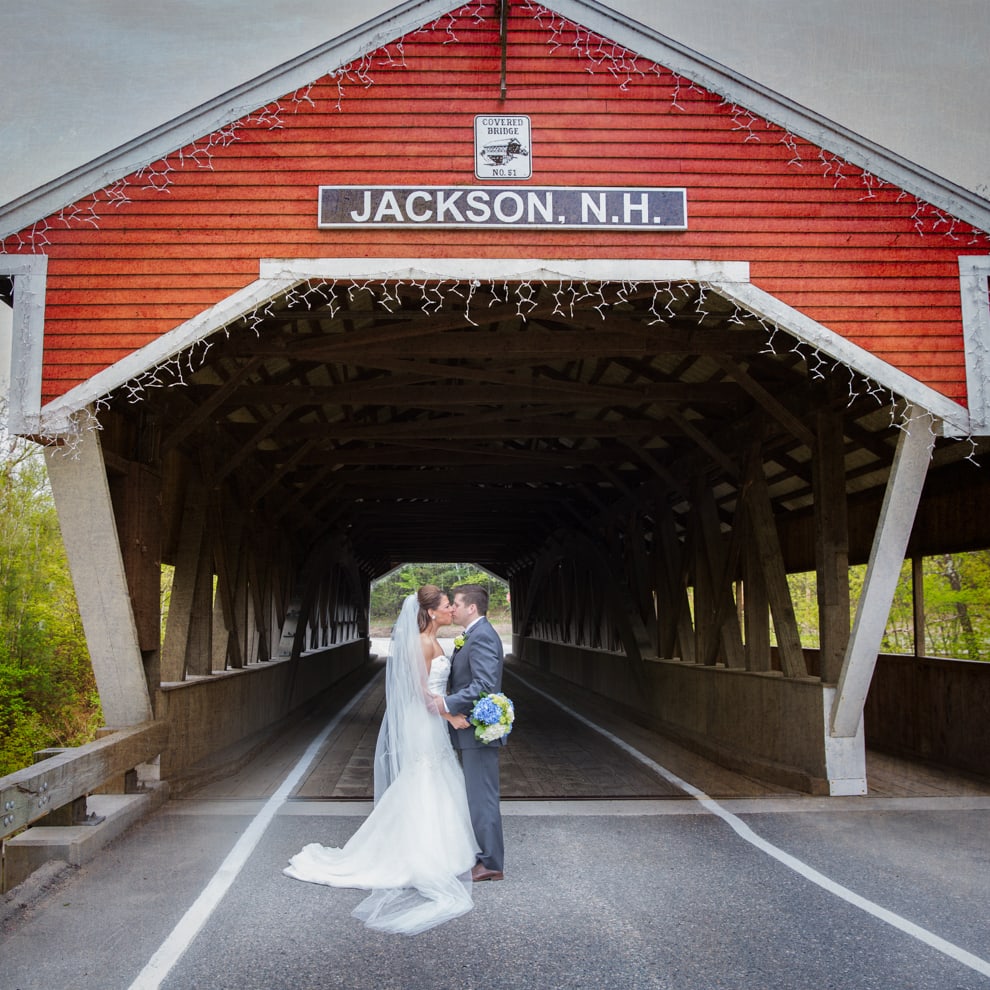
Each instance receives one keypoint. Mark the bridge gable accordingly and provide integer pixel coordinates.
(847, 245)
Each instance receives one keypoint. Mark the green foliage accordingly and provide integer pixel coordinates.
(957, 605)
(956, 595)
(388, 593)
(47, 691)
(804, 597)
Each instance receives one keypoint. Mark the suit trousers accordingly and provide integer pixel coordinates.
(482, 784)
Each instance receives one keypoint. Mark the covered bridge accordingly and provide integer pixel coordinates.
(523, 284)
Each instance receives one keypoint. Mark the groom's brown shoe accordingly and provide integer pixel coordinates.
(481, 872)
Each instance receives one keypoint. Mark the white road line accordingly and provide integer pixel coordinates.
(792, 862)
(181, 937)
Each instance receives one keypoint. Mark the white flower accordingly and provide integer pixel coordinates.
(493, 732)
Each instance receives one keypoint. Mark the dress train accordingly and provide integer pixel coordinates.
(415, 851)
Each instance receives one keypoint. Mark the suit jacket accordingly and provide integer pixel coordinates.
(475, 669)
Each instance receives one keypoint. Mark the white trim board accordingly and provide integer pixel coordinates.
(827, 341)
(30, 276)
(974, 290)
(57, 415)
(505, 269)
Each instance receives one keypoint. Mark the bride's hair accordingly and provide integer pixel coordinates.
(429, 596)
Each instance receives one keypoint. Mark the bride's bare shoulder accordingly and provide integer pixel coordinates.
(432, 650)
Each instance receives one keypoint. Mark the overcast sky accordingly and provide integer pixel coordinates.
(80, 77)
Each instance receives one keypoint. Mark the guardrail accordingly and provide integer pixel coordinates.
(34, 792)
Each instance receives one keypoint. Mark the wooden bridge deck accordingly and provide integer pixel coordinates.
(551, 757)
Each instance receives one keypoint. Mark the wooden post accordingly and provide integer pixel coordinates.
(225, 532)
(678, 636)
(831, 543)
(137, 507)
(756, 606)
(717, 560)
(259, 580)
(763, 535)
(918, 604)
(641, 578)
(183, 603)
(199, 644)
(704, 601)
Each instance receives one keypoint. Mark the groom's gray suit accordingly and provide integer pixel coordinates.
(476, 669)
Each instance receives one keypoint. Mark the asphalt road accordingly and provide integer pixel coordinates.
(672, 893)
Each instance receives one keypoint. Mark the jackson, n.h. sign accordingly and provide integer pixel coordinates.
(551, 207)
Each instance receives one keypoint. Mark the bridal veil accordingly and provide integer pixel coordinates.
(415, 850)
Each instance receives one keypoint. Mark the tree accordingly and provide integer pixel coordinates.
(956, 596)
(388, 593)
(47, 691)
(957, 604)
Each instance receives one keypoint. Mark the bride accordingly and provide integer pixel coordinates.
(415, 850)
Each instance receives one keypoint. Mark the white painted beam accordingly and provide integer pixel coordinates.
(30, 275)
(845, 756)
(900, 504)
(974, 275)
(508, 269)
(821, 338)
(85, 513)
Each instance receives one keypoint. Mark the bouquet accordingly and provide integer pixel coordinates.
(492, 717)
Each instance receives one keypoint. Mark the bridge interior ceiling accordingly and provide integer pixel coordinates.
(457, 421)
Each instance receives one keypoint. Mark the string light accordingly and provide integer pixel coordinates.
(790, 143)
(743, 120)
(668, 308)
(67, 441)
(77, 215)
(474, 10)
(116, 194)
(770, 347)
(179, 369)
(817, 371)
(565, 289)
(600, 54)
(870, 182)
(526, 296)
(474, 285)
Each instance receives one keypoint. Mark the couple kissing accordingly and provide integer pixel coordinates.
(436, 827)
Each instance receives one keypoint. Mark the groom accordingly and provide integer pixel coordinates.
(476, 669)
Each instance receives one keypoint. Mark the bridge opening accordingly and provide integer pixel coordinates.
(389, 591)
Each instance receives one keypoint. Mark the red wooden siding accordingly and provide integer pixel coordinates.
(853, 252)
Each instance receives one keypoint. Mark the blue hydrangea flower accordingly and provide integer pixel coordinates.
(486, 712)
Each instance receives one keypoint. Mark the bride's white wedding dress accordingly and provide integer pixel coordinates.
(416, 848)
